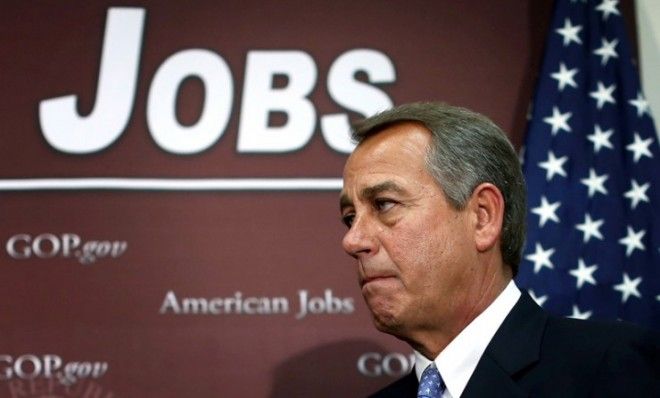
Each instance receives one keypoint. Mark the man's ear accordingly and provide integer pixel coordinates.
(487, 203)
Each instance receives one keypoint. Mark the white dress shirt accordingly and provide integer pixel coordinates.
(457, 361)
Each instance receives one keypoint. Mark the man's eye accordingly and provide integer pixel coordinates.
(347, 219)
(384, 204)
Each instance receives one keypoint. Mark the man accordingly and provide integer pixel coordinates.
(434, 200)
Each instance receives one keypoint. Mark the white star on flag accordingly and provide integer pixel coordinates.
(584, 273)
(607, 51)
(553, 166)
(628, 287)
(603, 95)
(640, 147)
(546, 211)
(590, 228)
(608, 7)
(565, 77)
(580, 315)
(640, 104)
(540, 300)
(558, 120)
(541, 258)
(595, 182)
(633, 240)
(637, 193)
(570, 32)
(600, 138)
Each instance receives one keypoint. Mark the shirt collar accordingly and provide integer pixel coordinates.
(457, 361)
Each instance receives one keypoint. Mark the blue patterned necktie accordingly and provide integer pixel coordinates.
(431, 384)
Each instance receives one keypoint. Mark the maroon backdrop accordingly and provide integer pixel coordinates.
(112, 324)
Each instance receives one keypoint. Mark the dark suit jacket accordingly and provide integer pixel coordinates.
(536, 355)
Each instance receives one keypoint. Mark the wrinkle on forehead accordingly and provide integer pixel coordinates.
(393, 160)
(411, 139)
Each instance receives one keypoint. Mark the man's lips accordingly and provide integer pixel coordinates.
(375, 278)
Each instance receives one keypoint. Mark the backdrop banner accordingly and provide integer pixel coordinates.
(169, 182)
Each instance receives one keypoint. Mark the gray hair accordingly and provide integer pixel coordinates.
(467, 149)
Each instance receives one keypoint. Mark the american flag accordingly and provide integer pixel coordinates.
(592, 167)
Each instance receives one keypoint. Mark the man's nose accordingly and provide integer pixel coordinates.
(360, 241)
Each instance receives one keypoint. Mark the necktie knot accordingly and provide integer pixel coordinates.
(431, 384)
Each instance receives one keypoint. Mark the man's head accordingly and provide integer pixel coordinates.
(435, 203)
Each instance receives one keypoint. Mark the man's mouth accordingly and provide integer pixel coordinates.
(374, 279)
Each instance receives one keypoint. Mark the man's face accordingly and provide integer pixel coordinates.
(415, 252)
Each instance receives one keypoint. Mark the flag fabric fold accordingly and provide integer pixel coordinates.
(592, 165)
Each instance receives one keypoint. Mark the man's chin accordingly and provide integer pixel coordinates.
(384, 312)
(387, 323)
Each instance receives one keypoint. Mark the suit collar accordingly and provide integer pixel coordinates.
(514, 347)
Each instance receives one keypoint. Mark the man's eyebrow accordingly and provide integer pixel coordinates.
(344, 201)
(371, 192)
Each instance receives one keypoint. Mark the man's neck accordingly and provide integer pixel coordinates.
(431, 342)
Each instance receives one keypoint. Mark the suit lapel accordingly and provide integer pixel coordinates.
(490, 380)
(404, 387)
(514, 347)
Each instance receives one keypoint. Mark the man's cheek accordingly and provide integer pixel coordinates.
(382, 300)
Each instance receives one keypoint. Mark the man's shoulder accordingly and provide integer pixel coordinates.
(612, 357)
(404, 387)
(528, 318)
(542, 352)
(597, 334)
(597, 343)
